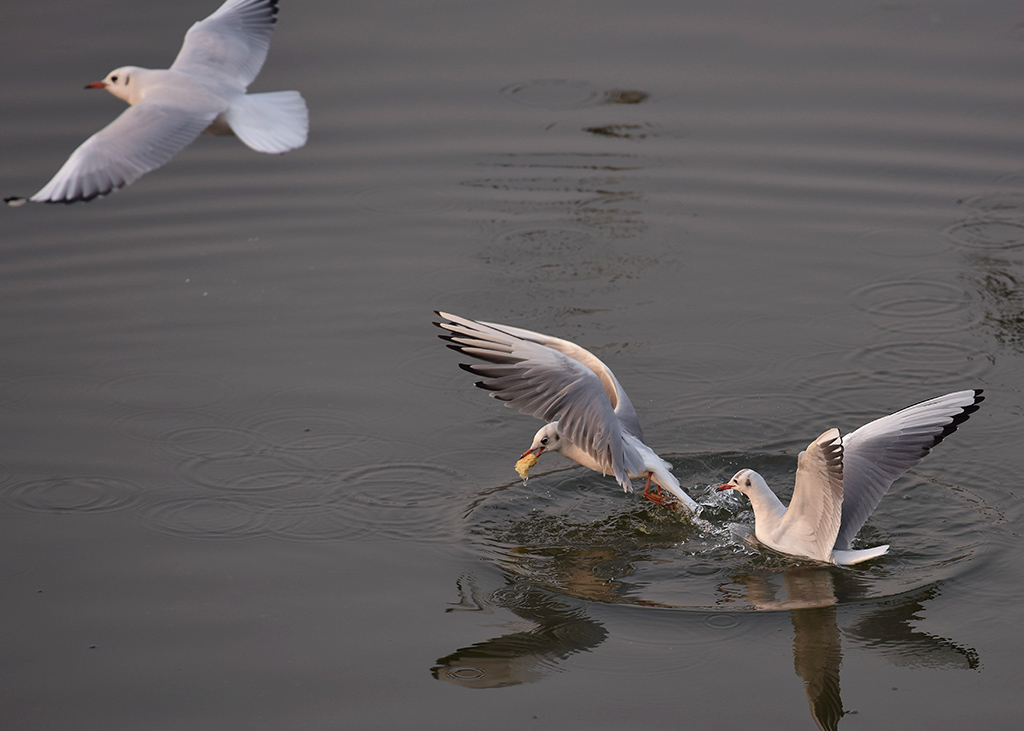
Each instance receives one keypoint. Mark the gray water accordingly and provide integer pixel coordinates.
(244, 486)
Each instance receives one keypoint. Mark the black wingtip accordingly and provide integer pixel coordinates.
(84, 198)
(274, 10)
(15, 200)
(960, 418)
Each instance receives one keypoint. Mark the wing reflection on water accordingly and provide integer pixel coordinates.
(524, 656)
(814, 596)
(889, 630)
(549, 587)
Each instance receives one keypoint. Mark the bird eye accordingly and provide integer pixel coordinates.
(544, 440)
(114, 79)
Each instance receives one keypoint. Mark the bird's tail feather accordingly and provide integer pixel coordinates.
(669, 483)
(272, 122)
(848, 558)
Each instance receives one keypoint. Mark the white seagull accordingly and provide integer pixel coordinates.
(591, 420)
(203, 90)
(841, 480)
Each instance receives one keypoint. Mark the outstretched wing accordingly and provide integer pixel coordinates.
(231, 43)
(529, 373)
(616, 394)
(880, 452)
(141, 139)
(812, 519)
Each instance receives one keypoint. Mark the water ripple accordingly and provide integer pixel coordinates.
(722, 621)
(645, 647)
(992, 234)
(184, 432)
(935, 362)
(915, 305)
(1003, 204)
(83, 494)
(248, 472)
(315, 520)
(305, 429)
(208, 439)
(205, 518)
(396, 500)
(852, 394)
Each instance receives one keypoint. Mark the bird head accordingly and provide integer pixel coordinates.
(119, 82)
(744, 481)
(546, 439)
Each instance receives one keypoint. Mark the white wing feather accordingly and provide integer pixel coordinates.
(880, 452)
(812, 519)
(613, 389)
(232, 43)
(141, 139)
(543, 381)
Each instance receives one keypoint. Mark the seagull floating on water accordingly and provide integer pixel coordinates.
(841, 480)
(591, 420)
(203, 90)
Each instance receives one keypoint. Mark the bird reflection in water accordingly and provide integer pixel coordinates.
(555, 570)
(814, 596)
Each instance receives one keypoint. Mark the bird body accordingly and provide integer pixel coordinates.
(203, 90)
(840, 480)
(590, 418)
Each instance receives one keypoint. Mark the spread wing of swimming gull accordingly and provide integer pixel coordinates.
(812, 519)
(880, 452)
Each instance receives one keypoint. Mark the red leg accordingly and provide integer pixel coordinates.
(656, 496)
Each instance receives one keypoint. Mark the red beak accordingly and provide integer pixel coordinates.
(723, 487)
(96, 85)
(537, 454)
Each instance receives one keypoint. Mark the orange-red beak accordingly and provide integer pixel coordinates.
(97, 85)
(530, 451)
(723, 487)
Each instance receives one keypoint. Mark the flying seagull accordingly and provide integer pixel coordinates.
(203, 90)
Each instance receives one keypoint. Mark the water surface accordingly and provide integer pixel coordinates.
(244, 486)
